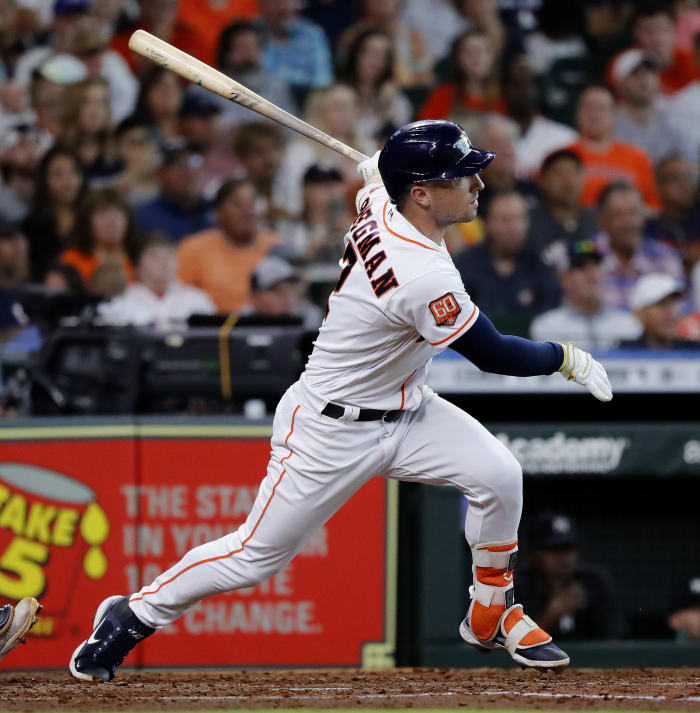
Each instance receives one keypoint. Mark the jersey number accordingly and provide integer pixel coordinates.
(349, 257)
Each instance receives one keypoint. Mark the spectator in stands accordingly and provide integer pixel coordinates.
(104, 232)
(333, 110)
(140, 157)
(438, 23)
(240, 56)
(557, 35)
(628, 253)
(558, 220)
(294, 49)
(604, 158)
(369, 70)
(159, 18)
(334, 16)
(683, 109)
(409, 55)
(71, 28)
(221, 260)
(655, 33)
(583, 318)
(16, 333)
(500, 135)
(87, 129)
(641, 118)
(317, 235)
(678, 221)
(204, 20)
(159, 100)
(109, 279)
(60, 186)
(685, 616)
(259, 146)
(507, 281)
(91, 47)
(179, 209)
(47, 90)
(472, 87)
(537, 135)
(572, 599)
(62, 278)
(656, 302)
(21, 149)
(156, 297)
(689, 325)
(200, 127)
(277, 290)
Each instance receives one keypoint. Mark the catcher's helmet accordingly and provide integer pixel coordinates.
(428, 150)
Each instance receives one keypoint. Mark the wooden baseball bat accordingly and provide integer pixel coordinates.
(165, 55)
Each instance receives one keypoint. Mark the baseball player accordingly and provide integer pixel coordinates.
(15, 622)
(362, 409)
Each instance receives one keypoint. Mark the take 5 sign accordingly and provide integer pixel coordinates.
(91, 511)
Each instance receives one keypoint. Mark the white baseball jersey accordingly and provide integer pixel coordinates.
(399, 301)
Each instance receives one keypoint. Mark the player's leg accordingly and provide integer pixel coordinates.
(443, 445)
(316, 465)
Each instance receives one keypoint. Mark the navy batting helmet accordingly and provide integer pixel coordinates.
(426, 151)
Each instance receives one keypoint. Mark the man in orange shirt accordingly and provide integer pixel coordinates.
(221, 260)
(604, 158)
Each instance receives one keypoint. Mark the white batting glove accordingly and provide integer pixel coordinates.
(581, 367)
(369, 169)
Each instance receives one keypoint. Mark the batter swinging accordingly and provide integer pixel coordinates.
(362, 409)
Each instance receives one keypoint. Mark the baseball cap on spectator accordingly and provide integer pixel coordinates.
(198, 103)
(321, 174)
(582, 253)
(688, 594)
(71, 7)
(552, 530)
(270, 272)
(651, 289)
(629, 62)
(176, 151)
(63, 69)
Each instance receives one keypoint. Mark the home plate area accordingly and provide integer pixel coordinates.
(573, 689)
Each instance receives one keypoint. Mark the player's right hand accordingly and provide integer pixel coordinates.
(369, 169)
(581, 367)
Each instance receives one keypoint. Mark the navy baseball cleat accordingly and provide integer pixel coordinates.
(116, 630)
(527, 644)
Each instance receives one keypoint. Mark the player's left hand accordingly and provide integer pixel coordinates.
(369, 169)
(581, 367)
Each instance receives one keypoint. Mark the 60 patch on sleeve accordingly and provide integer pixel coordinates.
(445, 309)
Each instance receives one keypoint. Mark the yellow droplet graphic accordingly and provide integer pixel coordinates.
(95, 563)
(94, 526)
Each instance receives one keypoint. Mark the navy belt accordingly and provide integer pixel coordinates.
(366, 414)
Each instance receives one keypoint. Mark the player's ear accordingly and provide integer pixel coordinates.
(420, 196)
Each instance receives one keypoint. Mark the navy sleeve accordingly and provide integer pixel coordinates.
(497, 353)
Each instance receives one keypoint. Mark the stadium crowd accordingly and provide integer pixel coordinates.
(119, 180)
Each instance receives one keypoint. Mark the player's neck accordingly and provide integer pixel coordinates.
(424, 223)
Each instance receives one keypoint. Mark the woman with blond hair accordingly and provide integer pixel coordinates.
(333, 109)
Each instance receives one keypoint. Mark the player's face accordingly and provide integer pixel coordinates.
(454, 200)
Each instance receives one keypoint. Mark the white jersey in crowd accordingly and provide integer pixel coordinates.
(398, 302)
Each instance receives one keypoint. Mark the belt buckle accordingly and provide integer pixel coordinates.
(389, 416)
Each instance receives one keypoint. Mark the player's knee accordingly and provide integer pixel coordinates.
(507, 480)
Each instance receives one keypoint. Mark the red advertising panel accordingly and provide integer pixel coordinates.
(84, 518)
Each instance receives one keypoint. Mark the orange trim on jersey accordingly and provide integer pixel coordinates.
(240, 549)
(403, 395)
(501, 548)
(471, 316)
(401, 237)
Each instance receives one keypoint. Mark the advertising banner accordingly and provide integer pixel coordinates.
(84, 518)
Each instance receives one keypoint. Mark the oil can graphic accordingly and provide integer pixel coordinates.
(51, 532)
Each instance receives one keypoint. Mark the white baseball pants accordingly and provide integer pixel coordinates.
(317, 464)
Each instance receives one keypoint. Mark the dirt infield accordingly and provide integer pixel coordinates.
(574, 689)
